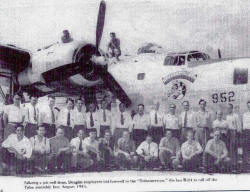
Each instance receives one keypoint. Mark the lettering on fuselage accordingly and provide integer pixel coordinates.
(176, 84)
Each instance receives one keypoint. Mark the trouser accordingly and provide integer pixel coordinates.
(118, 132)
(175, 133)
(77, 128)
(168, 159)
(233, 146)
(150, 164)
(192, 164)
(68, 131)
(246, 148)
(210, 166)
(106, 157)
(93, 157)
(201, 136)
(122, 161)
(9, 129)
(10, 160)
(81, 161)
(50, 130)
(184, 131)
(30, 130)
(103, 128)
(224, 137)
(39, 160)
(61, 161)
(139, 135)
(157, 133)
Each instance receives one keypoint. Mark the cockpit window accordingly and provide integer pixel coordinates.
(174, 60)
(196, 57)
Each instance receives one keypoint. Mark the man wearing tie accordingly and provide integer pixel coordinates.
(104, 117)
(187, 121)
(64, 119)
(31, 116)
(156, 124)
(122, 122)
(92, 119)
(47, 118)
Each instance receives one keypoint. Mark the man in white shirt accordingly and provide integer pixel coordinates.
(92, 148)
(187, 121)
(13, 116)
(148, 153)
(47, 117)
(104, 118)
(64, 119)
(31, 117)
(156, 124)
(141, 123)
(17, 150)
(122, 122)
(203, 124)
(171, 122)
(41, 149)
(234, 130)
(80, 158)
(191, 152)
(78, 117)
(216, 154)
(92, 119)
(246, 137)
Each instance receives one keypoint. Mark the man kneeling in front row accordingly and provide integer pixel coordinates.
(216, 155)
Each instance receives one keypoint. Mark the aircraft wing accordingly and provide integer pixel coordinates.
(13, 58)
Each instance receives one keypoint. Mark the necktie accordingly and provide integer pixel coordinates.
(35, 117)
(156, 119)
(68, 118)
(122, 119)
(80, 145)
(53, 120)
(149, 149)
(91, 120)
(104, 115)
(185, 120)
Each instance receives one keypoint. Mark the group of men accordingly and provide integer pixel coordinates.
(43, 138)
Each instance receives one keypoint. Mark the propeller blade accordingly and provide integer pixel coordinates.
(100, 23)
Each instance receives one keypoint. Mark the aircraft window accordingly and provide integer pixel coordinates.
(240, 76)
(140, 76)
(169, 60)
(196, 57)
(181, 61)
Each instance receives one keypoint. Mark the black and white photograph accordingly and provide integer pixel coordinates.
(147, 95)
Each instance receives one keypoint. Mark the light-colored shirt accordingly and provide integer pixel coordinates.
(147, 149)
(24, 145)
(171, 121)
(91, 144)
(78, 117)
(221, 125)
(75, 142)
(141, 122)
(233, 121)
(38, 145)
(246, 120)
(45, 115)
(219, 148)
(172, 145)
(15, 114)
(127, 120)
(190, 122)
(153, 114)
(31, 113)
(189, 149)
(203, 119)
(95, 119)
(102, 118)
(62, 118)
(126, 146)
(57, 143)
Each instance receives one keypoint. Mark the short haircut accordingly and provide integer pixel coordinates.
(172, 105)
(33, 96)
(112, 33)
(202, 100)
(40, 127)
(17, 94)
(141, 105)
(107, 131)
(248, 101)
(51, 97)
(69, 99)
(190, 131)
(185, 102)
(60, 127)
(92, 131)
(78, 99)
(149, 136)
(19, 125)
